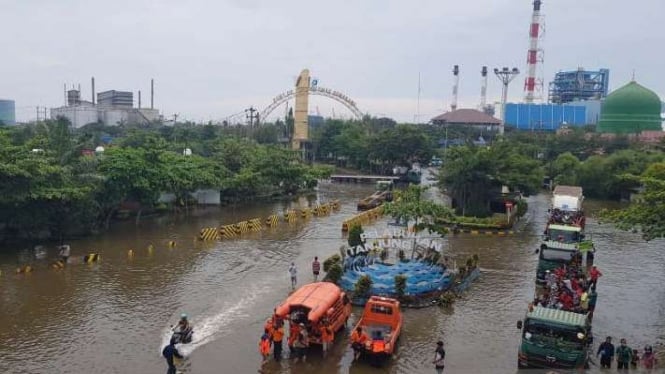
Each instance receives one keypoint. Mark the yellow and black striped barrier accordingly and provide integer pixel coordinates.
(57, 265)
(335, 204)
(92, 257)
(24, 269)
(272, 220)
(306, 212)
(208, 233)
(290, 216)
(242, 227)
(227, 231)
(255, 224)
(485, 232)
(362, 218)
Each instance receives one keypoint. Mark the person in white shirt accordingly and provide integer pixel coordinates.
(293, 271)
(64, 252)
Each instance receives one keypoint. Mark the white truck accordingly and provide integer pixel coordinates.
(567, 198)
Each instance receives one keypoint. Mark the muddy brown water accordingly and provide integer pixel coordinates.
(112, 317)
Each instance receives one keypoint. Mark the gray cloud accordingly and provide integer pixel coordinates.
(214, 58)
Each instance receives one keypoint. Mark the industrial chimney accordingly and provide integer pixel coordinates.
(139, 99)
(531, 84)
(453, 106)
(483, 87)
(92, 81)
(152, 94)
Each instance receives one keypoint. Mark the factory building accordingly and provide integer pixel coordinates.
(544, 117)
(112, 108)
(7, 112)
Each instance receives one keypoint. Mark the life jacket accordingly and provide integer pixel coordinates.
(326, 335)
(378, 346)
(278, 334)
(355, 337)
(293, 334)
(264, 346)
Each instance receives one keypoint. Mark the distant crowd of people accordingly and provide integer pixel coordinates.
(625, 356)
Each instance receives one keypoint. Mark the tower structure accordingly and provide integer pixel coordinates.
(453, 105)
(483, 88)
(300, 127)
(533, 85)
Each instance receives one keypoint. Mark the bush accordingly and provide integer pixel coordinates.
(400, 285)
(354, 236)
(334, 273)
(522, 207)
(330, 261)
(363, 286)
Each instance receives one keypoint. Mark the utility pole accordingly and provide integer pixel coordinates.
(249, 114)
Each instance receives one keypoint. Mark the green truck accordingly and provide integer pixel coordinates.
(553, 338)
(561, 244)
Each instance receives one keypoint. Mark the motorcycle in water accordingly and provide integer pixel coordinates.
(182, 336)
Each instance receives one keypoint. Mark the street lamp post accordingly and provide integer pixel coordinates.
(505, 75)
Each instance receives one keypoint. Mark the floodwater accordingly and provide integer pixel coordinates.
(113, 317)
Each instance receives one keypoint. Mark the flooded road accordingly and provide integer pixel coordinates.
(113, 317)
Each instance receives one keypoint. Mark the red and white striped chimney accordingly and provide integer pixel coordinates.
(532, 56)
(453, 105)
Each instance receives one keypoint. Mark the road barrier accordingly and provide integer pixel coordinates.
(256, 224)
(208, 233)
(272, 220)
(92, 257)
(362, 218)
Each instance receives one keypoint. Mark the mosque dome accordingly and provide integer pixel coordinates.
(632, 108)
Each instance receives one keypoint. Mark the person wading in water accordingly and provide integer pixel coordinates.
(439, 356)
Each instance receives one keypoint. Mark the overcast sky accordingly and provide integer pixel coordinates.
(211, 59)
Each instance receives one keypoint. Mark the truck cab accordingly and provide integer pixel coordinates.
(382, 323)
(553, 338)
(562, 243)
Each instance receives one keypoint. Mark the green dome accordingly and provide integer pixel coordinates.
(630, 109)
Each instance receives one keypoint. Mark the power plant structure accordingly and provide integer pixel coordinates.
(579, 85)
(533, 85)
(108, 107)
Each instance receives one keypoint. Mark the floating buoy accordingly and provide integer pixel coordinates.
(172, 244)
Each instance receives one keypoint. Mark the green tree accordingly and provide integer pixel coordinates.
(564, 169)
(411, 205)
(647, 213)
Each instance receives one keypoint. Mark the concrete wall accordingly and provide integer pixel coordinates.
(203, 197)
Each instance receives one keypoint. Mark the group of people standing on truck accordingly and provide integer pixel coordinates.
(625, 356)
(559, 216)
(569, 289)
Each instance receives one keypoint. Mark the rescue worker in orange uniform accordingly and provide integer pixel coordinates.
(264, 345)
(358, 339)
(277, 337)
(294, 330)
(326, 337)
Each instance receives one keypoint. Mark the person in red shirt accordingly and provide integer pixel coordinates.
(594, 274)
(316, 268)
